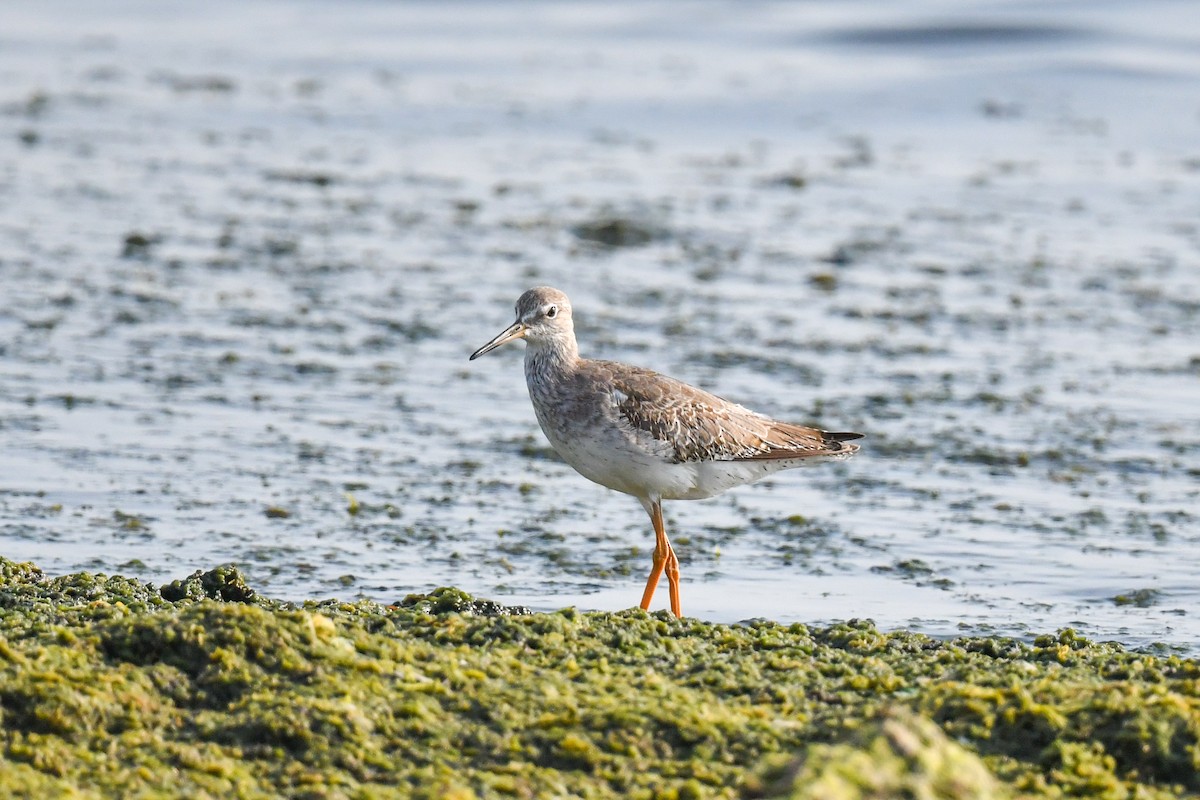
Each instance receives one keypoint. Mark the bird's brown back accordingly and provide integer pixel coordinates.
(700, 426)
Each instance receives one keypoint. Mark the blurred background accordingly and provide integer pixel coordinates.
(246, 248)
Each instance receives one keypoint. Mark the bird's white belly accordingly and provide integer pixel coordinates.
(617, 464)
(626, 466)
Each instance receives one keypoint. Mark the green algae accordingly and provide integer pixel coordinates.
(223, 583)
(900, 755)
(1142, 598)
(203, 688)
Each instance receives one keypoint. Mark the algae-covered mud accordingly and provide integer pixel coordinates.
(107, 689)
(245, 250)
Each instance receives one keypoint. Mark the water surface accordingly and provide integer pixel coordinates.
(246, 250)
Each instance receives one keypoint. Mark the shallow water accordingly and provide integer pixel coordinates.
(246, 250)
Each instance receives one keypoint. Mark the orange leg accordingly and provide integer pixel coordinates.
(665, 560)
(673, 580)
(661, 548)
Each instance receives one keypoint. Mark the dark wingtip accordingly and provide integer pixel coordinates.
(833, 440)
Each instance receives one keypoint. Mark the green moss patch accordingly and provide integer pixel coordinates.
(112, 687)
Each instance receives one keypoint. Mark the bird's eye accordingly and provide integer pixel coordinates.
(552, 312)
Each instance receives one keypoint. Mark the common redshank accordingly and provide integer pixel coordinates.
(644, 434)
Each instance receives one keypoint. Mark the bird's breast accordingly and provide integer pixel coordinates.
(585, 429)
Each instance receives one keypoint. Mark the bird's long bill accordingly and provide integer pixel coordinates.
(514, 331)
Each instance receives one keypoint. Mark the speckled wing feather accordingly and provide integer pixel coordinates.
(700, 426)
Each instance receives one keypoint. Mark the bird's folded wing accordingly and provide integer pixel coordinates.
(700, 426)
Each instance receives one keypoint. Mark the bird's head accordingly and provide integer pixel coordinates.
(543, 318)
